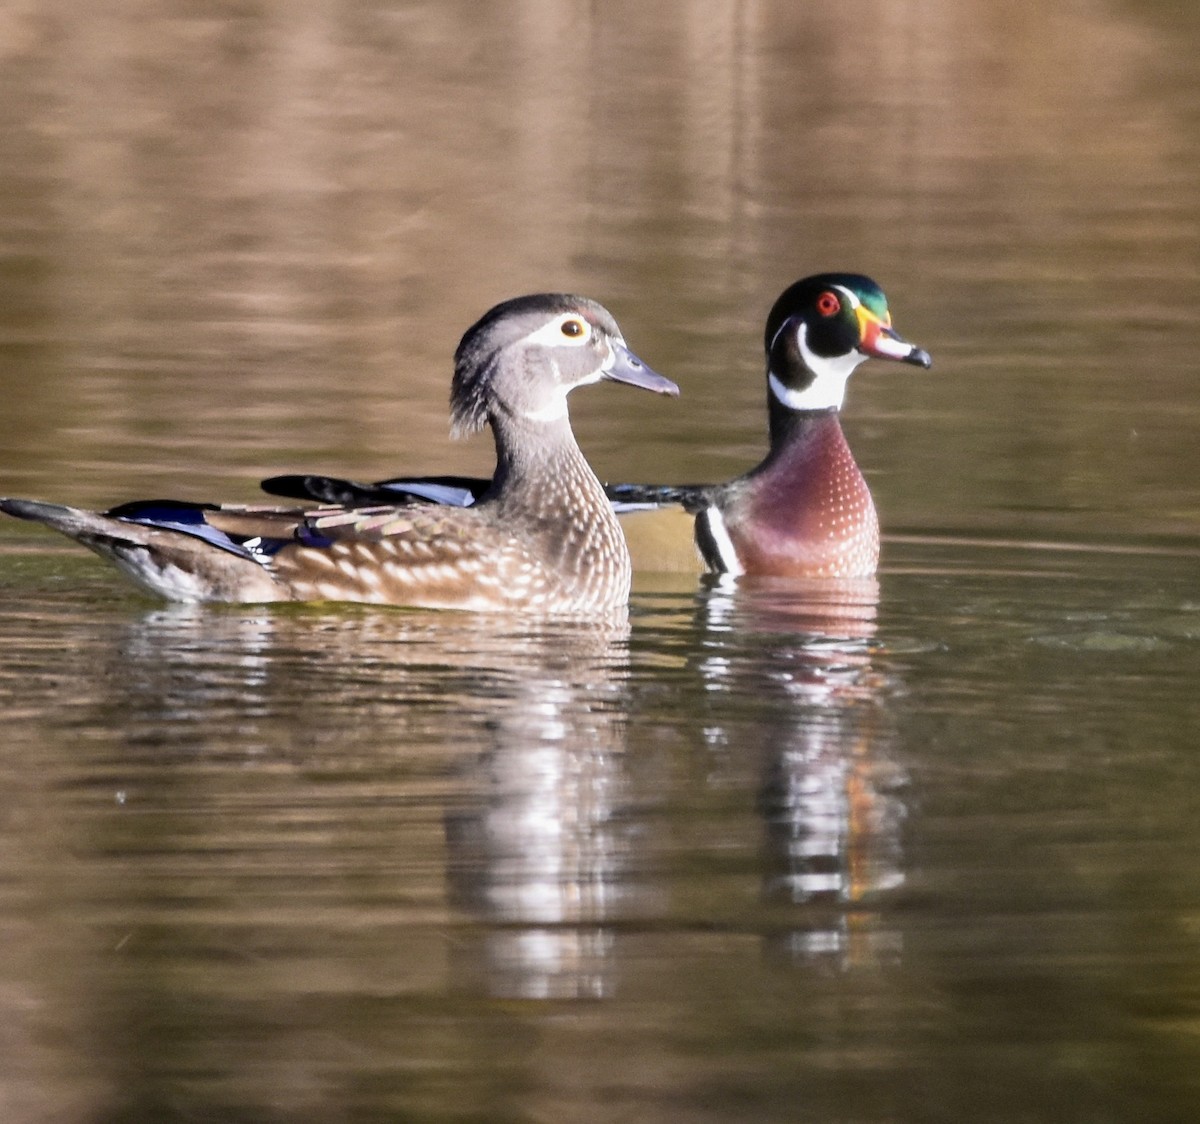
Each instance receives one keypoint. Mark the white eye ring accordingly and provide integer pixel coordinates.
(557, 333)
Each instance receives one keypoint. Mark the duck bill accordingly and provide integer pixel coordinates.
(624, 366)
(880, 341)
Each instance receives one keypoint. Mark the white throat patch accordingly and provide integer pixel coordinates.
(556, 407)
(553, 409)
(828, 387)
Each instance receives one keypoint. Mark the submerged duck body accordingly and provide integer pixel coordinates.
(542, 536)
(805, 511)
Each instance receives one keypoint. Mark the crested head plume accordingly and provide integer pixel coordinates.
(802, 292)
(474, 368)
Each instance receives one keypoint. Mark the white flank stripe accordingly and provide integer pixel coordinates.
(724, 544)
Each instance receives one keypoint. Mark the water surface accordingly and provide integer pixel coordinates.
(894, 853)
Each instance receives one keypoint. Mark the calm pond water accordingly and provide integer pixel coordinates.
(907, 850)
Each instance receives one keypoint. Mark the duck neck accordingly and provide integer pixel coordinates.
(546, 491)
(789, 427)
(808, 448)
(542, 475)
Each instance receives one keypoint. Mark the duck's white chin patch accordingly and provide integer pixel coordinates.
(552, 409)
(827, 390)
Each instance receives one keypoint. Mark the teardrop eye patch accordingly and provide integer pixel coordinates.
(828, 304)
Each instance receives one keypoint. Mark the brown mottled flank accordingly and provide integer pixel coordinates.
(451, 558)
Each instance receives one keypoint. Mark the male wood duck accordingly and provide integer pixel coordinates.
(542, 536)
(804, 511)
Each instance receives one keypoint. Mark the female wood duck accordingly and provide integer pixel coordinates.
(805, 511)
(542, 536)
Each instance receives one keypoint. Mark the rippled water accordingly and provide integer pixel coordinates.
(920, 849)
(916, 850)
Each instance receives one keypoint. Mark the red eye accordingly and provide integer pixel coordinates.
(828, 304)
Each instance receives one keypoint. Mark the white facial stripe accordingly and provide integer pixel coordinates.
(715, 523)
(828, 387)
(849, 294)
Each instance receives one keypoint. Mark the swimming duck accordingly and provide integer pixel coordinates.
(541, 536)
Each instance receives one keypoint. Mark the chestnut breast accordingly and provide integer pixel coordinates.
(808, 511)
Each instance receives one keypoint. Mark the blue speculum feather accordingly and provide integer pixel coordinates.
(305, 536)
(446, 494)
(190, 519)
(160, 513)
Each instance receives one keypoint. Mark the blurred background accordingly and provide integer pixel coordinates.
(244, 238)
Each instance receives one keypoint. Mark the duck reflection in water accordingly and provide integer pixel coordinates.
(480, 766)
(831, 795)
(541, 851)
(523, 722)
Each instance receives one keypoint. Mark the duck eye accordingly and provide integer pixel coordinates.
(574, 328)
(828, 304)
